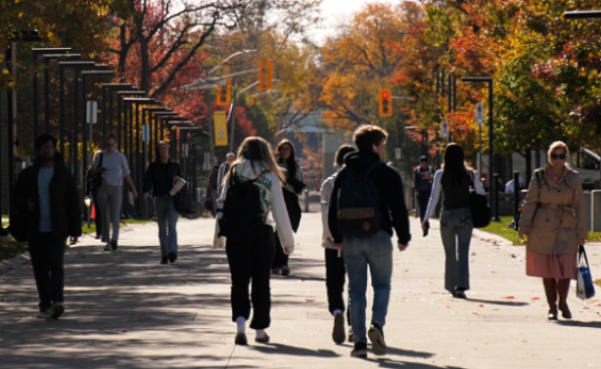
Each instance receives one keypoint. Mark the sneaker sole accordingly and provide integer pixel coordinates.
(338, 331)
(362, 354)
(57, 311)
(378, 346)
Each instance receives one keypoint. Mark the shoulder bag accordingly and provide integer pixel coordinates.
(585, 289)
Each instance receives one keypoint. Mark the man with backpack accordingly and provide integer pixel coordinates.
(422, 183)
(367, 203)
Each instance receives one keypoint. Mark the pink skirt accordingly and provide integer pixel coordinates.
(557, 266)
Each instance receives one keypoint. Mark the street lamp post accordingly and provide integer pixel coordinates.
(158, 117)
(154, 135)
(494, 191)
(84, 75)
(107, 104)
(61, 100)
(47, 58)
(35, 52)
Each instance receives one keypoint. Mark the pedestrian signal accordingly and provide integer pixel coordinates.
(265, 74)
(224, 93)
(385, 102)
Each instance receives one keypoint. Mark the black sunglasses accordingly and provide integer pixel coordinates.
(558, 156)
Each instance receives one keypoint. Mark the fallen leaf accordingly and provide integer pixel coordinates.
(473, 312)
(481, 305)
(535, 298)
(310, 300)
(509, 297)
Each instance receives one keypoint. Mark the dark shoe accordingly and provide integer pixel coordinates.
(360, 350)
(172, 257)
(460, 294)
(285, 270)
(241, 339)
(552, 315)
(276, 271)
(565, 311)
(43, 314)
(338, 330)
(98, 236)
(264, 340)
(114, 245)
(164, 261)
(57, 310)
(376, 336)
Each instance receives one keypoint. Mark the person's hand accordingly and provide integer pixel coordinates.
(338, 246)
(521, 234)
(287, 251)
(176, 178)
(135, 193)
(581, 241)
(403, 247)
(30, 205)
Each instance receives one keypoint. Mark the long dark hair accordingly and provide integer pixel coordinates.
(157, 156)
(291, 163)
(454, 172)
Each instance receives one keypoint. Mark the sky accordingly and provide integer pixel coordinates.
(336, 12)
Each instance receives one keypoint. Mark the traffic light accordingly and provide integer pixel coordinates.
(265, 74)
(385, 102)
(224, 93)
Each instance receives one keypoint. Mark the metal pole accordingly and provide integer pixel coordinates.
(491, 155)
(61, 108)
(211, 124)
(104, 111)
(47, 95)
(233, 114)
(516, 192)
(10, 105)
(74, 126)
(480, 153)
(137, 153)
(84, 144)
(35, 117)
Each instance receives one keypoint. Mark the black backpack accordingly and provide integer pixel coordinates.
(358, 204)
(243, 217)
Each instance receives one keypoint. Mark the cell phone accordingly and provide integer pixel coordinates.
(427, 230)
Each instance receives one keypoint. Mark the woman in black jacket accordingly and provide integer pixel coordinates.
(160, 176)
(286, 158)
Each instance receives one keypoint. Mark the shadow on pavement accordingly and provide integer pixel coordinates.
(393, 364)
(278, 348)
(575, 323)
(410, 353)
(498, 302)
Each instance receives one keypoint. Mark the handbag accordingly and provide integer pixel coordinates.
(478, 207)
(184, 204)
(585, 289)
(93, 182)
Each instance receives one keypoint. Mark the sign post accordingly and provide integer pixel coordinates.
(444, 129)
(397, 153)
(220, 128)
(91, 119)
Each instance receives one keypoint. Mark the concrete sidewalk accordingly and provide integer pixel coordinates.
(124, 310)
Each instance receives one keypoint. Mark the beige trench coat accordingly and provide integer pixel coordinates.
(554, 215)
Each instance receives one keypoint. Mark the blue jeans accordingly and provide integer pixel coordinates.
(456, 232)
(167, 219)
(359, 253)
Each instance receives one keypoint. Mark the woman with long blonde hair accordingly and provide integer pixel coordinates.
(250, 258)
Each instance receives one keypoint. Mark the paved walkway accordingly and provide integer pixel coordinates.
(124, 310)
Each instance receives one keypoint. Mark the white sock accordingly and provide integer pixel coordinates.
(337, 311)
(260, 333)
(241, 324)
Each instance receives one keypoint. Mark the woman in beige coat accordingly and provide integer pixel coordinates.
(554, 218)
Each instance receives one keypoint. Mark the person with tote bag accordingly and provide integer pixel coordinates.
(456, 224)
(554, 219)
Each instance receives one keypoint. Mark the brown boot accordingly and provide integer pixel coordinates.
(563, 287)
(551, 293)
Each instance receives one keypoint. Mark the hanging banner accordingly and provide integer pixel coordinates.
(220, 129)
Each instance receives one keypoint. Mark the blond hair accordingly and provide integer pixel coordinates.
(557, 145)
(259, 153)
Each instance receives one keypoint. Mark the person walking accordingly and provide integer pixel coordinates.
(160, 176)
(213, 187)
(91, 191)
(554, 219)
(250, 257)
(454, 181)
(422, 184)
(113, 169)
(335, 268)
(286, 159)
(47, 191)
(224, 169)
(362, 226)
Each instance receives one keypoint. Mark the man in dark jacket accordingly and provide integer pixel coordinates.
(48, 191)
(373, 252)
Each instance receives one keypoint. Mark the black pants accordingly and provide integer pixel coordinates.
(250, 262)
(98, 216)
(280, 258)
(47, 254)
(335, 275)
(422, 201)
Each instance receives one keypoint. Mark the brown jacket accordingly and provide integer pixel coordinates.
(554, 215)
